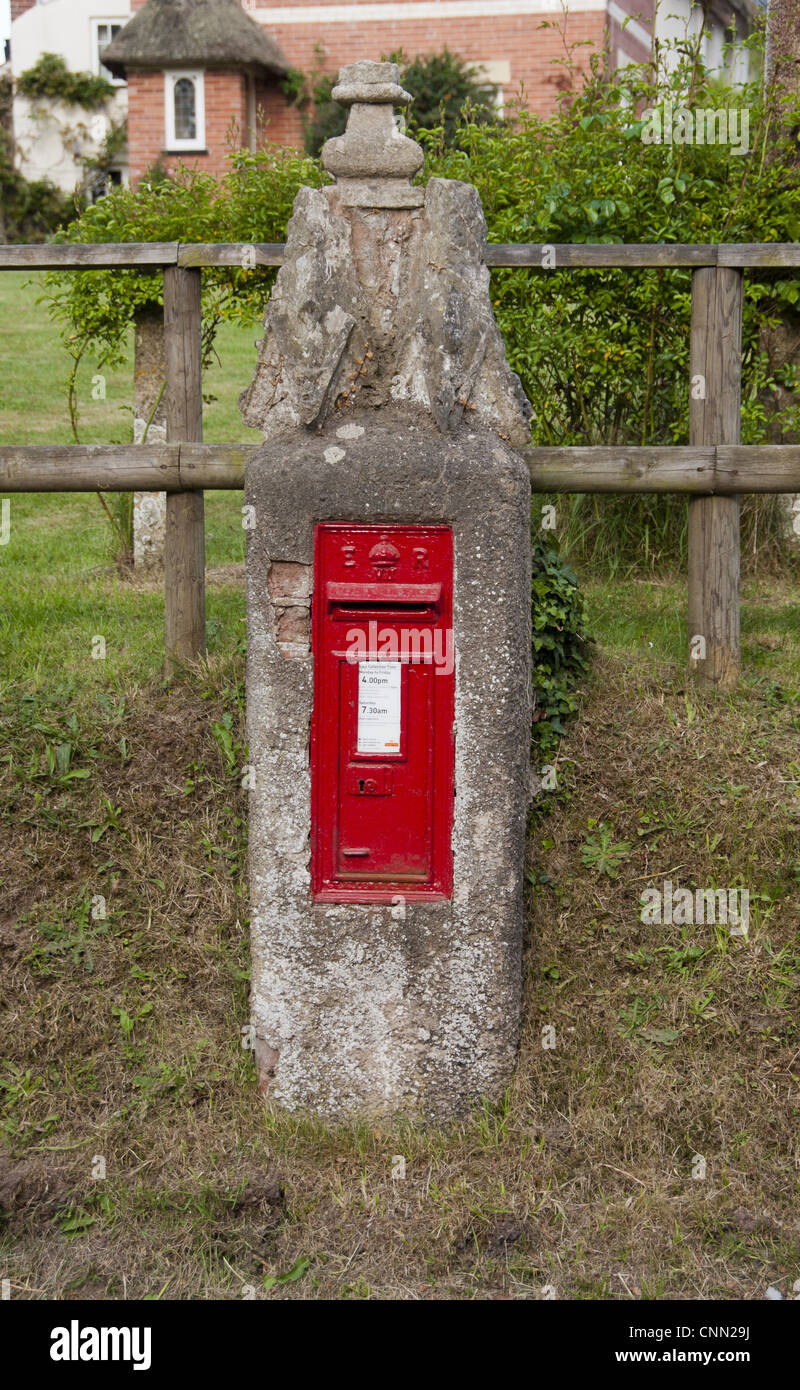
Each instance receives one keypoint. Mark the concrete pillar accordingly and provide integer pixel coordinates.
(385, 401)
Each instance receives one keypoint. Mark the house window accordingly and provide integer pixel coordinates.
(103, 31)
(185, 111)
(495, 77)
(103, 185)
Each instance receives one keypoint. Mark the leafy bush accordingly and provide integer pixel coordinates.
(30, 210)
(604, 354)
(560, 643)
(252, 202)
(445, 89)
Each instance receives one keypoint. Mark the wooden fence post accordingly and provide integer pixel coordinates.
(714, 418)
(184, 552)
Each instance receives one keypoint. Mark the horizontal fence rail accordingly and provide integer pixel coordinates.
(122, 255)
(534, 255)
(175, 467)
(721, 470)
(612, 255)
(724, 470)
(713, 471)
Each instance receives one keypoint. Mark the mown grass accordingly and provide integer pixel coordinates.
(33, 404)
(60, 584)
(125, 976)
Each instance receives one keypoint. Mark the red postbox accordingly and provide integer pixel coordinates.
(382, 729)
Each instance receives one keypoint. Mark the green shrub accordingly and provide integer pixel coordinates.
(445, 89)
(604, 354)
(252, 202)
(559, 643)
(442, 86)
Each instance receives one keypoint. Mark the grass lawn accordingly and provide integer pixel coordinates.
(33, 404)
(124, 959)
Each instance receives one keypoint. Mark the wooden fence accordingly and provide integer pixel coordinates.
(713, 470)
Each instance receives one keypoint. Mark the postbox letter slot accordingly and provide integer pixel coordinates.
(395, 595)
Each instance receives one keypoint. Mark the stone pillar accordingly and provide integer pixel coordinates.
(150, 424)
(384, 396)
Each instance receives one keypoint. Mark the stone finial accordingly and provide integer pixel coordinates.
(371, 82)
(383, 297)
(373, 162)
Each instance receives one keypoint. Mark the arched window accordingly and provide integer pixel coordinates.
(185, 113)
(185, 106)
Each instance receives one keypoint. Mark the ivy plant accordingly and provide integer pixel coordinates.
(51, 78)
(559, 641)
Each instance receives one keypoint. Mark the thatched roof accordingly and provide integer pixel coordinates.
(193, 33)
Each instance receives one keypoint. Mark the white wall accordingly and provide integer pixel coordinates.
(48, 145)
(677, 19)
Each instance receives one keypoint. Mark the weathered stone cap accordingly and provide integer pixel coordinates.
(371, 82)
(372, 147)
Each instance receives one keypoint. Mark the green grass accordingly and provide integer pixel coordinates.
(648, 615)
(60, 589)
(121, 1031)
(35, 367)
(60, 585)
(33, 409)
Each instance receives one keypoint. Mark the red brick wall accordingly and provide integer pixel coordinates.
(225, 97)
(529, 49)
(516, 39)
(19, 7)
(278, 122)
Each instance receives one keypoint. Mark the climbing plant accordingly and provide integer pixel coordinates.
(30, 209)
(51, 78)
(559, 642)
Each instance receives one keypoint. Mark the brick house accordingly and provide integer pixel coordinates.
(201, 74)
(194, 65)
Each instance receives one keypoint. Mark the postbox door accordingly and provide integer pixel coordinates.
(382, 732)
(384, 828)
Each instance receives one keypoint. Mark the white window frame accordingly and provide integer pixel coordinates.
(171, 76)
(97, 66)
(496, 74)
